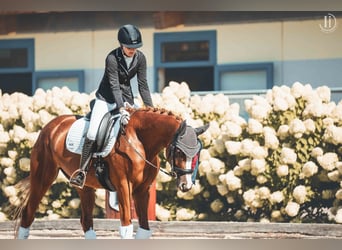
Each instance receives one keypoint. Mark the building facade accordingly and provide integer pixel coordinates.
(234, 52)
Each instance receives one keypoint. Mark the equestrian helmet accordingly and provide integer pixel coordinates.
(130, 36)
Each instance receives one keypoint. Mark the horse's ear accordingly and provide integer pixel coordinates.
(182, 128)
(202, 129)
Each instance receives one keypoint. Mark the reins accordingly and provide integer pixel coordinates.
(123, 134)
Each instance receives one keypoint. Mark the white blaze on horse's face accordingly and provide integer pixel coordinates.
(185, 181)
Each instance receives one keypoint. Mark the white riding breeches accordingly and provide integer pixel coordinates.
(99, 110)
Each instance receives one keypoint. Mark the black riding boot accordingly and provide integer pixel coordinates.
(79, 176)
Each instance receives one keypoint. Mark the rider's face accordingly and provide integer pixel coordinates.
(128, 51)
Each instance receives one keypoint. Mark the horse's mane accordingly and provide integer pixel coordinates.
(161, 111)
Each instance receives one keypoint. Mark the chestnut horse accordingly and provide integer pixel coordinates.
(133, 166)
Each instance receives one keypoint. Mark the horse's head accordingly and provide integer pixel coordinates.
(183, 154)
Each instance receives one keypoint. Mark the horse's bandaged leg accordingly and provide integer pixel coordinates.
(143, 233)
(126, 232)
(90, 234)
(23, 233)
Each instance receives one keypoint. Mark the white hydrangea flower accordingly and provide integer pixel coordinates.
(24, 164)
(288, 156)
(297, 128)
(271, 140)
(10, 191)
(276, 197)
(334, 175)
(233, 147)
(338, 216)
(314, 109)
(232, 129)
(247, 146)
(216, 206)
(56, 204)
(310, 126)
(100, 198)
(10, 170)
(324, 93)
(222, 189)
(18, 134)
(300, 193)
(232, 181)
(204, 168)
(298, 90)
(316, 152)
(328, 161)
(283, 131)
(254, 126)
(338, 194)
(259, 152)
(184, 214)
(309, 169)
(333, 135)
(258, 166)
(261, 179)
(292, 209)
(282, 170)
(245, 164)
(280, 104)
(162, 213)
(205, 155)
(74, 203)
(3, 217)
(264, 193)
(249, 196)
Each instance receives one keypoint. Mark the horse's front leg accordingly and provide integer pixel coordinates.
(87, 196)
(141, 202)
(124, 194)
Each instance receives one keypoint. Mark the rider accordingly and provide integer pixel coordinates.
(122, 64)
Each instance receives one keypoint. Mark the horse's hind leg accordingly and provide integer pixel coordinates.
(87, 196)
(42, 174)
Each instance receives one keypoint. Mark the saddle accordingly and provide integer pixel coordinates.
(105, 140)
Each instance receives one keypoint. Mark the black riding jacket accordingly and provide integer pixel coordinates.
(115, 86)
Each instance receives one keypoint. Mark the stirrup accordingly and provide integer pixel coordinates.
(76, 178)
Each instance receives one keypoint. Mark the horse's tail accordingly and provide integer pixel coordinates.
(23, 188)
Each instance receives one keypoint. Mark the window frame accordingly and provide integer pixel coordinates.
(241, 67)
(15, 44)
(79, 74)
(191, 36)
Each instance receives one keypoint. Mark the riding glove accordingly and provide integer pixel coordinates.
(124, 117)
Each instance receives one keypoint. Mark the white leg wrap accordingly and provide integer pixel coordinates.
(23, 233)
(143, 233)
(90, 234)
(126, 232)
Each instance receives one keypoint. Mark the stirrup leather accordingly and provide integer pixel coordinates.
(78, 178)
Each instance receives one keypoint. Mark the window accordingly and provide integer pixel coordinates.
(185, 57)
(254, 76)
(16, 65)
(74, 80)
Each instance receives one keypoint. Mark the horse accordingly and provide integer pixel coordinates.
(133, 166)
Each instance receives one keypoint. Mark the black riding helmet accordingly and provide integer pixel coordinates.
(130, 36)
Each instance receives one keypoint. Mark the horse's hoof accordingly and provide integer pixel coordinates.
(126, 232)
(90, 234)
(23, 233)
(143, 233)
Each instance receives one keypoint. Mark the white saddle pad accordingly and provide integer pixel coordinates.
(77, 133)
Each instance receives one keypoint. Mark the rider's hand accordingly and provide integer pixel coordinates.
(124, 117)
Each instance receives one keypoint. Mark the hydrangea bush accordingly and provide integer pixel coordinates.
(281, 164)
